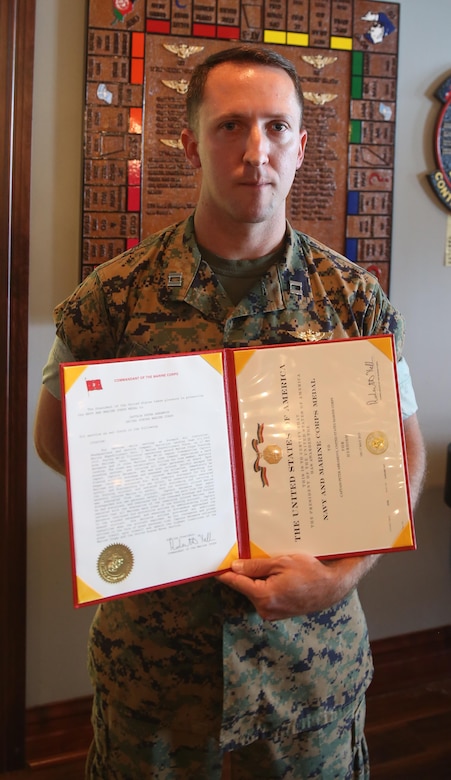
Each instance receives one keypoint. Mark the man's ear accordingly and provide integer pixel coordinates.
(302, 145)
(189, 142)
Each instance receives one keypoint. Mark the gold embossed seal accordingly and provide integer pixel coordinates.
(272, 453)
(377, 442)
(115, 563)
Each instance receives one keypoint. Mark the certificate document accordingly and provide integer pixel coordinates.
(178, 464)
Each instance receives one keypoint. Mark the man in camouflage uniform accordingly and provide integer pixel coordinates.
(261, 672)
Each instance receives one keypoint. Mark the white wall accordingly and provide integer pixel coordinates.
(56, 644)
(412, 591)
(407, 591)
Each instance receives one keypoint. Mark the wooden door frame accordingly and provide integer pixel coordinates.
(17, 22)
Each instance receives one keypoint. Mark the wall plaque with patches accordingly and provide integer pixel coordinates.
(139, 59)
(179, 464)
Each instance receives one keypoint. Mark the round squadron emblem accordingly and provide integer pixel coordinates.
(440, 179)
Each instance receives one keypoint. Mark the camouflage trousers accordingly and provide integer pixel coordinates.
(336, 751)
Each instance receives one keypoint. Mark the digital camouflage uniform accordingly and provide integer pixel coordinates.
(196, 658)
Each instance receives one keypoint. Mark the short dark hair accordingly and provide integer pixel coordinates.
(252, 54)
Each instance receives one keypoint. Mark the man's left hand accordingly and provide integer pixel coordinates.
(291, 585)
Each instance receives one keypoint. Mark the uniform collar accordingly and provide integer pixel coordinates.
(187, 277)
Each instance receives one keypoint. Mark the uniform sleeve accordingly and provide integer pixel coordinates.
(59, 353)
(83, 322)
(406, 392)
(382, 317)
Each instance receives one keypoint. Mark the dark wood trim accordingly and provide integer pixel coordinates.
(17, 19)
(60, 733)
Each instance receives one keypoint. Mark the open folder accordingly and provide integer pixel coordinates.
(178, 464)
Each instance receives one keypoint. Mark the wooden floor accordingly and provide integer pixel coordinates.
(73, 770)
(408, 719)
(408, 725)
(409, 733)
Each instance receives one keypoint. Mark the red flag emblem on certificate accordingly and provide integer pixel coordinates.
(93, 384)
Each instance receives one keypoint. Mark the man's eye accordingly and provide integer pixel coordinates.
(229, 125)
(279, 127)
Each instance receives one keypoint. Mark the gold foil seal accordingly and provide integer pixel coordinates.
(115, 563)
(272, 453)
(377, 442)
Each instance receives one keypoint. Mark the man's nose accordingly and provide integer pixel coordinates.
(256, 152)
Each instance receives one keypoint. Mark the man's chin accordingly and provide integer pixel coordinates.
(255, 215)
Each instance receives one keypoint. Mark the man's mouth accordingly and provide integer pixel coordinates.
(255, 183)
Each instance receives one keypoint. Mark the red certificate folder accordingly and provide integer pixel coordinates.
(178, 464)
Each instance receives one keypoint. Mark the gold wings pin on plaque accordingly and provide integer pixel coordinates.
(318, 61)
(172, 143)
(182, 50)
(319, 98)
(179, 86)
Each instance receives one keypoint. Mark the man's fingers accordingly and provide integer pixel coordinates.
(252, 588)
(256, 568)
